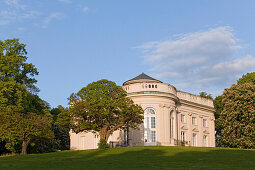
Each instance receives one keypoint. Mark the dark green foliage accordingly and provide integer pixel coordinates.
(63, 118)
(33, 103)
(3, 149)
(205, 95)
(103, 144)
(54, 112)
(61, 136)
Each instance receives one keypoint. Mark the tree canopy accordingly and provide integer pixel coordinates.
(63, 117)
(13, 64)
(221, 104)
(24, 116)
(238, 116)
(103, 107)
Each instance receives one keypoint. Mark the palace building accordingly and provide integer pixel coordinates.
(171, 118)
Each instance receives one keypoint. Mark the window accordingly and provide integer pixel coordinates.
(149, 86)
(183, 118)
(182, 136)
(149, 127)
(156, 86)
(204, 123)
(153, 122)
(194, 121)
(149, 111)
(145, 136)
(153, 136)
(205, 140)
(171, 124)
(152, 86)
(194, 139)
(83, 142)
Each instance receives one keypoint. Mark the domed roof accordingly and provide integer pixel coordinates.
(142, 78)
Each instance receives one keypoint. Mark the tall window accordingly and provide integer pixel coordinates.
(82, 142)
(153, 136)
(194, 121)
(205, 140)
(183, 119)
(204, 123)
(153, 122)
(149, 126)
(194, 139)
(171, 124)
(182, 136)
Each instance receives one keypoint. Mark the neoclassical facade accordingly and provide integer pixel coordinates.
(171, 118)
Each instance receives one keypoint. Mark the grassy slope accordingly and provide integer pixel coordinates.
(136, 158)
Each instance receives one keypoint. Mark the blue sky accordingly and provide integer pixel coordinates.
(194, 45)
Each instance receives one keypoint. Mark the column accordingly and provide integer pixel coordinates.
(200, 133)
(189, 132)
(212, 132)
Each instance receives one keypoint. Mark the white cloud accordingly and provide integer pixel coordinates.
(14, 11)
(236, 65)
(52, 17)
(204, 60)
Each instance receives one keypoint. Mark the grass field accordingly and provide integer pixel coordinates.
(136, 158)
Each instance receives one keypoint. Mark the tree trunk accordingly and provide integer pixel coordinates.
(102, 133)
(24, 146)
(105, 132)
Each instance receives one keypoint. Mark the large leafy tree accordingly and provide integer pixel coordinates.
(238, 116)
(24, 116)
(24, 127)
(219, 105)
(103, 107)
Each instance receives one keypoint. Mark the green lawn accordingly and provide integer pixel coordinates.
(136, 158)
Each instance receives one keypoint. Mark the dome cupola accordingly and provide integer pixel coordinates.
(142, 78)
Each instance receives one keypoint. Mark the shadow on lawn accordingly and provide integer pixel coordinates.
(173, 159)
(139, 158)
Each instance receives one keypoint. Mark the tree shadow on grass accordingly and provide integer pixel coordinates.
(178, 158)
(141, 158)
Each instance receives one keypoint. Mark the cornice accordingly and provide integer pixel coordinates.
(196, 105)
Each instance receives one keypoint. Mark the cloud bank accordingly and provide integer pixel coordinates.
(205, 60)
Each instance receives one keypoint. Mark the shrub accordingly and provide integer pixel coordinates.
(103, 144)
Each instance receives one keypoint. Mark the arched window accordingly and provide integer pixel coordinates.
(149, 111)
(149, 127)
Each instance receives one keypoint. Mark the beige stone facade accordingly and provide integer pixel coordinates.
(171, 118)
